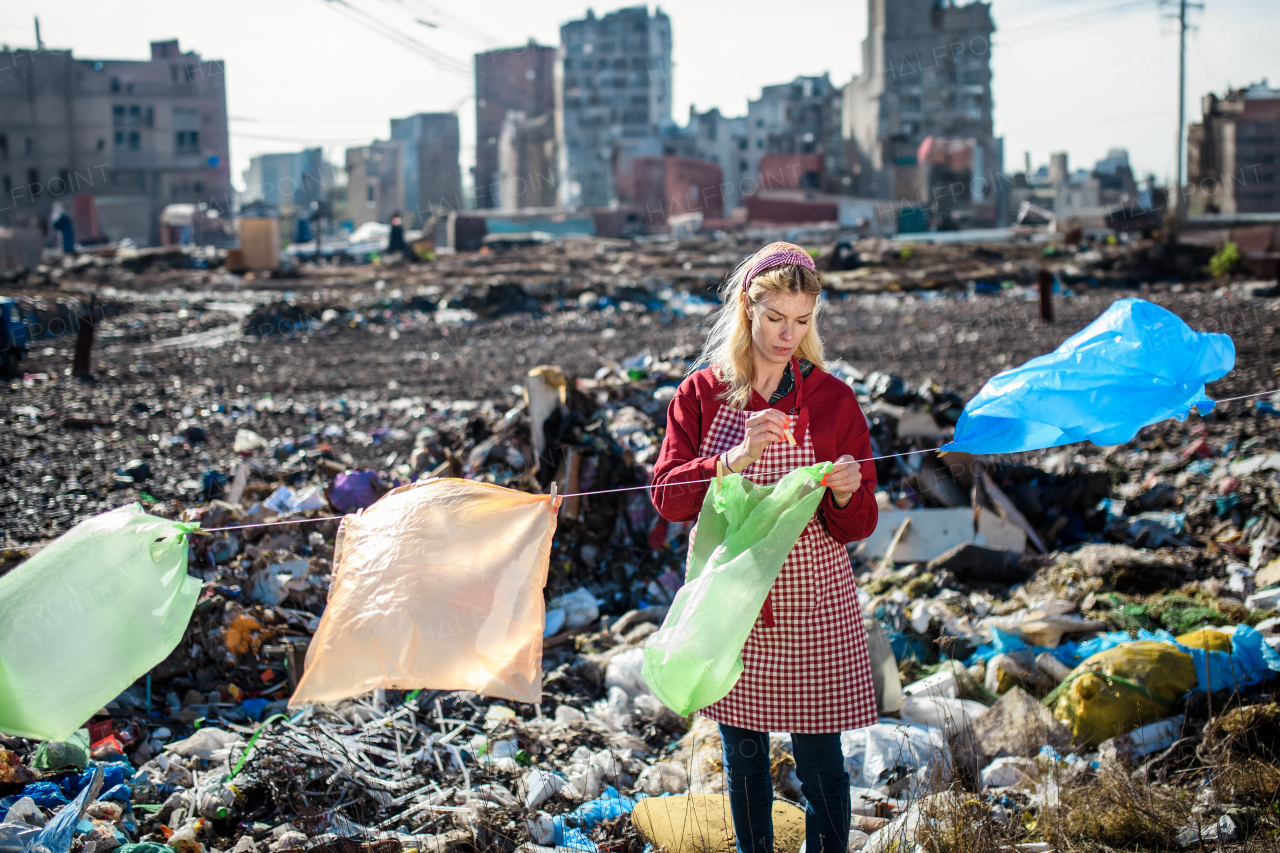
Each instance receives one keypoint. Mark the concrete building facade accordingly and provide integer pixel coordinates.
(616, 95)
(287, 182)
(663, 188)
(926, 72)
(1232, 154)
(801, 117)
(527, 163)
(137, 135)
(375, 182)
(723, 140)
(432, 169)
(512, 80)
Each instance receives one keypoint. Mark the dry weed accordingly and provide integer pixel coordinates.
(1114, 810)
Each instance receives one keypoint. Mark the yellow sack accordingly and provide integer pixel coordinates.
(1114, 692)
(437, 585)
(1207, 639)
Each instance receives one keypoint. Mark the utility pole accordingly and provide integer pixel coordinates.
(1182, 96)
(1179, 208)
(39, 43)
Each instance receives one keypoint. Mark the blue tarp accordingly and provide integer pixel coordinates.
(1137, 364)
(1250, 662)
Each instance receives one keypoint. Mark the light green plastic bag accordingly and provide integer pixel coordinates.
(745, 533)
(87, 616)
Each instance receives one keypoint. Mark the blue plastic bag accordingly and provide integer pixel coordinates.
(571, 829)
(1137, 364)
(58, 833)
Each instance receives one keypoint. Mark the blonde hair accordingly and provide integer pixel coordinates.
(728, 346)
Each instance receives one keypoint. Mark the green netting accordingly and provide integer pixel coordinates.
(745, 532)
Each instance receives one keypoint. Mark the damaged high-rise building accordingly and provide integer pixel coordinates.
(515, 117)
(616, 97)
(926, 73)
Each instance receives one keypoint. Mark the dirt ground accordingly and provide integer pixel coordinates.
(175, 357)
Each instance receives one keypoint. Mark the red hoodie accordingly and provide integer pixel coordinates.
(835, 419)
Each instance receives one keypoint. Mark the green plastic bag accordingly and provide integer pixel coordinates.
(87, 616)
(745, 533)
(54, 755)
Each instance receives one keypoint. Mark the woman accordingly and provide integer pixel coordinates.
(805, 665)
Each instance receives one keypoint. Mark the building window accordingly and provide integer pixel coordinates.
(173, 72)
(191, 72)
(188, 141)
(135, 142)
(199, 186)
(140, 180)
(4, 147)
(7, 184)
(369, 193)
(117, 116)
(115, 84)
(33, 177)
(760, 142)
(742, 165)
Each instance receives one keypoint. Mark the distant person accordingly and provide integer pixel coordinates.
(397, 245)
(806, 667)
(64, 226)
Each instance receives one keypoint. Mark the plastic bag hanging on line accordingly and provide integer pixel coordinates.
(87, 616)
(1137, 364)
(745, 533)
(437, 585)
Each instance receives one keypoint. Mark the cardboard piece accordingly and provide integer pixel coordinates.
(933, 532)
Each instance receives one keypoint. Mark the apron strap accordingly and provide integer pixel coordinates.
(795, 374)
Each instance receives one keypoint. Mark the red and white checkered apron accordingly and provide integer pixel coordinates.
(805, 664)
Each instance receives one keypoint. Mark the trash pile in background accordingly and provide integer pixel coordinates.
(1073, 648)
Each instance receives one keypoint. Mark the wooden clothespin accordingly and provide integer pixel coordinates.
(791, 439)
(720, 472)
(553, 491)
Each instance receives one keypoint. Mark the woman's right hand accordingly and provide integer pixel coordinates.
(763, 428)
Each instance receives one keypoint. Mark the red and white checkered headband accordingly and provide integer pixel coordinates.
(775, 255)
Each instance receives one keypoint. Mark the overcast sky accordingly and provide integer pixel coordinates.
(1076, 75)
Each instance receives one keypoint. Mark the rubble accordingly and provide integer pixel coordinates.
(241, 402)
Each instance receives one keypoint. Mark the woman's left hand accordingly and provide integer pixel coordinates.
(843, 480)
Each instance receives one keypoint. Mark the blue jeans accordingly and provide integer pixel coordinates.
(823, 782)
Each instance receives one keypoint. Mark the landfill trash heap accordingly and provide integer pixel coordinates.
(1074, 648)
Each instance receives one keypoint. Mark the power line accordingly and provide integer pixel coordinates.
(1058, 24)
(455, 22)
(374, 24)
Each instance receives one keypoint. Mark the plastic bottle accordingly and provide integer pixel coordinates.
(216, 803)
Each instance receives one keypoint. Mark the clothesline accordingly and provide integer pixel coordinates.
(639, 488)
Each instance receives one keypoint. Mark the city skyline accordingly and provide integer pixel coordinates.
(1116, 88)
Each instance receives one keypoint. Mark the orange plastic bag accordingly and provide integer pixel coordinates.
(437, 585)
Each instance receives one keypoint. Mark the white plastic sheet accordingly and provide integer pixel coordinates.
(437, 585)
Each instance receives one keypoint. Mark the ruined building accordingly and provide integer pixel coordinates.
(616, 97)
(432, 174)
(789, 123)
(1232, 153)
(723, 140)
(926, 73)
(127, 136)
(515, 95)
